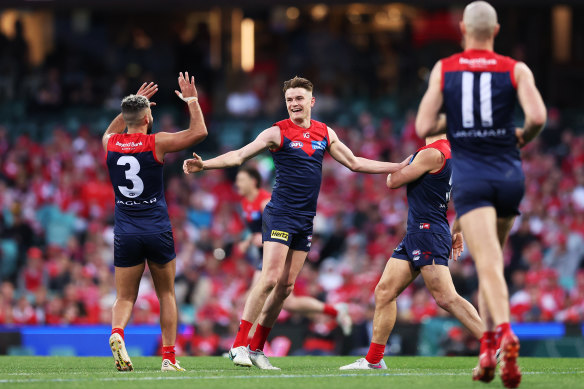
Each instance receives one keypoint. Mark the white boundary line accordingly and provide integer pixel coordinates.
(196, 378)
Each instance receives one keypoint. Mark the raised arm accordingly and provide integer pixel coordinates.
(342, 154)
(426, 161)
(531, 103)
(118, 125)
(167, 142)
(428, 121)
(267, 139)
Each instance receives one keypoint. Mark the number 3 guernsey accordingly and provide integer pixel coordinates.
(136, 176)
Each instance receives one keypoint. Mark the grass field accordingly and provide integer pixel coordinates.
(297, 373)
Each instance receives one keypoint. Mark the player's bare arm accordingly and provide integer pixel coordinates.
(531, 103)
(429, 121)
(170, 142)
(457, 240)
(426, 161)
(118, 125)
(342, 154)
(267, 139)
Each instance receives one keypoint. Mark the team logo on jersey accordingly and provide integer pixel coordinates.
(279, 235)
(306, 135)
(319, 144)
(424, 226)
(296, 144)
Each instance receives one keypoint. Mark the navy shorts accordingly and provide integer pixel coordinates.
(424, 248)
(134, 249)
(504, 196)
(295, 231)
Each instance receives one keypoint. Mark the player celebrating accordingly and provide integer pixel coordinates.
(297, 145)
(479, 89)
(425, 249)
(142, 227)
(253, 201)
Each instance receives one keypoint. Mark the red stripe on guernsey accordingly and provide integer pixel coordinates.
(479, 61)
(132, 144)
(316, 132)
(442, 145)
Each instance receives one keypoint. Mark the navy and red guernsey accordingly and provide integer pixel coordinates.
(298, 163)
(429, 195)
(252, 211)
(136, 176)
(480, 96)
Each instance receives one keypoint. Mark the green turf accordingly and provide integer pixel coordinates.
(297, 373)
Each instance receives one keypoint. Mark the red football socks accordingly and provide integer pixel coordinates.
(487, 341)
(329, 310)
(119, 331)
(242, 333)
(375, 354)
(259, 338)
(500, 330)
(168, 353)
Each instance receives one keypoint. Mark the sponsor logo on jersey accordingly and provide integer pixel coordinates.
(134, 202)
(424, 226)
(480, 133)
(296, 144)
(279, 235)
(319, 144)
(128, 145)
(477, 61)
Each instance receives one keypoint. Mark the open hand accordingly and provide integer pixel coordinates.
(148, 90)
(187, 87)
(457, 246)
(193, 165)
(406, 161)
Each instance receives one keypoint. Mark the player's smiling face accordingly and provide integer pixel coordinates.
(299, 103)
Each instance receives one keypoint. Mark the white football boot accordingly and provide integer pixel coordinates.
(362, 364)
(123, 362)
(240, 356)
(259, 360)
(344, 319)
(169, 366)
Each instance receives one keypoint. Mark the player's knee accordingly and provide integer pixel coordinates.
(269, 283)
(445, 300)
(285, 290)
(384, 294)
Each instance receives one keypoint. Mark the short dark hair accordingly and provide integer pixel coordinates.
(298, 82)
(132, 107)
(254, 174)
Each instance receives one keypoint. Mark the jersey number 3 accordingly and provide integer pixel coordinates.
(131, 175)
(483, 95)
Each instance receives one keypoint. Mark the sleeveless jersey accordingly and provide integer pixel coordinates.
(480, 96)
(428, 196)
(298, 163)
(252, 210)
(136, 176)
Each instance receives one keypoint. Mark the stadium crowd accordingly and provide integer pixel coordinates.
(56, 202)
(56, 237)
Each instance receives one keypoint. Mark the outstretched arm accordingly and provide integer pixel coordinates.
(118, 125)
(269, 138)
(531, 103)
(167, 142)
(342, 154)
(428, 121)
(426, 161)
